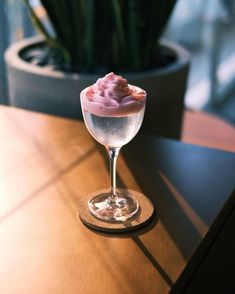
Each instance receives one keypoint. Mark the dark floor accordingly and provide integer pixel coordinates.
(225, 110)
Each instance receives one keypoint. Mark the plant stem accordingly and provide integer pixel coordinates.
(113, 155)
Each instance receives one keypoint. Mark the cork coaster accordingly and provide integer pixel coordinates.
(142, 218)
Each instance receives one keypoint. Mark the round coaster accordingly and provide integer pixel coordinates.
(143, 216)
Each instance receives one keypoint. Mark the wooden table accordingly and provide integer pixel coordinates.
(48, 163)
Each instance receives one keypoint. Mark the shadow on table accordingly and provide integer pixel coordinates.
(183, 223)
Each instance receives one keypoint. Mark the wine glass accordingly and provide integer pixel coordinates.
(113, 131)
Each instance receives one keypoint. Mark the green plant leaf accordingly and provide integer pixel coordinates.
(134, 33)
(120, 29)
(89, 32)
(41, 29)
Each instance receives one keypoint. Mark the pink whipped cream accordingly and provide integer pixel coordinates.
(112, 96)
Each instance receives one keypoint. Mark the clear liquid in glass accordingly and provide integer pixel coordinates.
(114, 131)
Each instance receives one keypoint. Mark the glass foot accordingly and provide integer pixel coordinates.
(120, 208)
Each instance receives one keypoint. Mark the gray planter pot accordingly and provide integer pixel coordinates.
(56, 92)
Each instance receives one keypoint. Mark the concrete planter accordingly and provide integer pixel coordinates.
(56, 92)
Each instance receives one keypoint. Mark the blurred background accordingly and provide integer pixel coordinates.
(205, 28)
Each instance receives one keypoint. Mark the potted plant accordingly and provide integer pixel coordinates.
(90, 38)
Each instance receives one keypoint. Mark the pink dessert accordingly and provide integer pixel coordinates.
(112, 96)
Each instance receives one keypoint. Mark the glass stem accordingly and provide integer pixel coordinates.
(113, 155)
